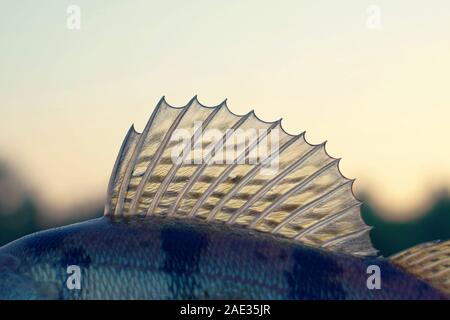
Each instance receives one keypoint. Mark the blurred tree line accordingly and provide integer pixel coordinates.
(391, 237)
(388, 237)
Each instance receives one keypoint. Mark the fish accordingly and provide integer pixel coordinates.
(208, 204)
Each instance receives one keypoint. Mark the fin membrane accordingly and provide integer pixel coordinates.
(211, 164)
(429, 261)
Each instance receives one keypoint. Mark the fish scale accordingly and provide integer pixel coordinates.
(175, 230)
(156, 258)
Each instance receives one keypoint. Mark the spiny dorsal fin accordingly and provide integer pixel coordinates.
(429, 261)
(237, 170)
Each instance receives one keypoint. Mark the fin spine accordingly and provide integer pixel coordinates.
(202, 167)
(227, 171)
(163, 187)
(428, 261)
(307, 185)
(251, 174)
(157, 157)
(297, 213)
(346, 237)
(109, 193)
(431, 256)
(291, 192)
(269, 184)
(129, 171)
(325, 221)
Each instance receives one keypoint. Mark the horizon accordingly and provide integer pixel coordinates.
(379, 96)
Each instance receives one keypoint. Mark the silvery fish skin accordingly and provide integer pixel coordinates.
(163, 258)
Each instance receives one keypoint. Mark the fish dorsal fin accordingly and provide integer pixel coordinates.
(429, 261)
(211, 164)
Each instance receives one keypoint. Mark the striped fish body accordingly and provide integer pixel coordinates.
(207, 204)
(161, 258)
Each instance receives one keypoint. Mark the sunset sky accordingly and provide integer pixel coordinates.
(380, 96)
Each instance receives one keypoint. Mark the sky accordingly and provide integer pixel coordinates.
(371, 77)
